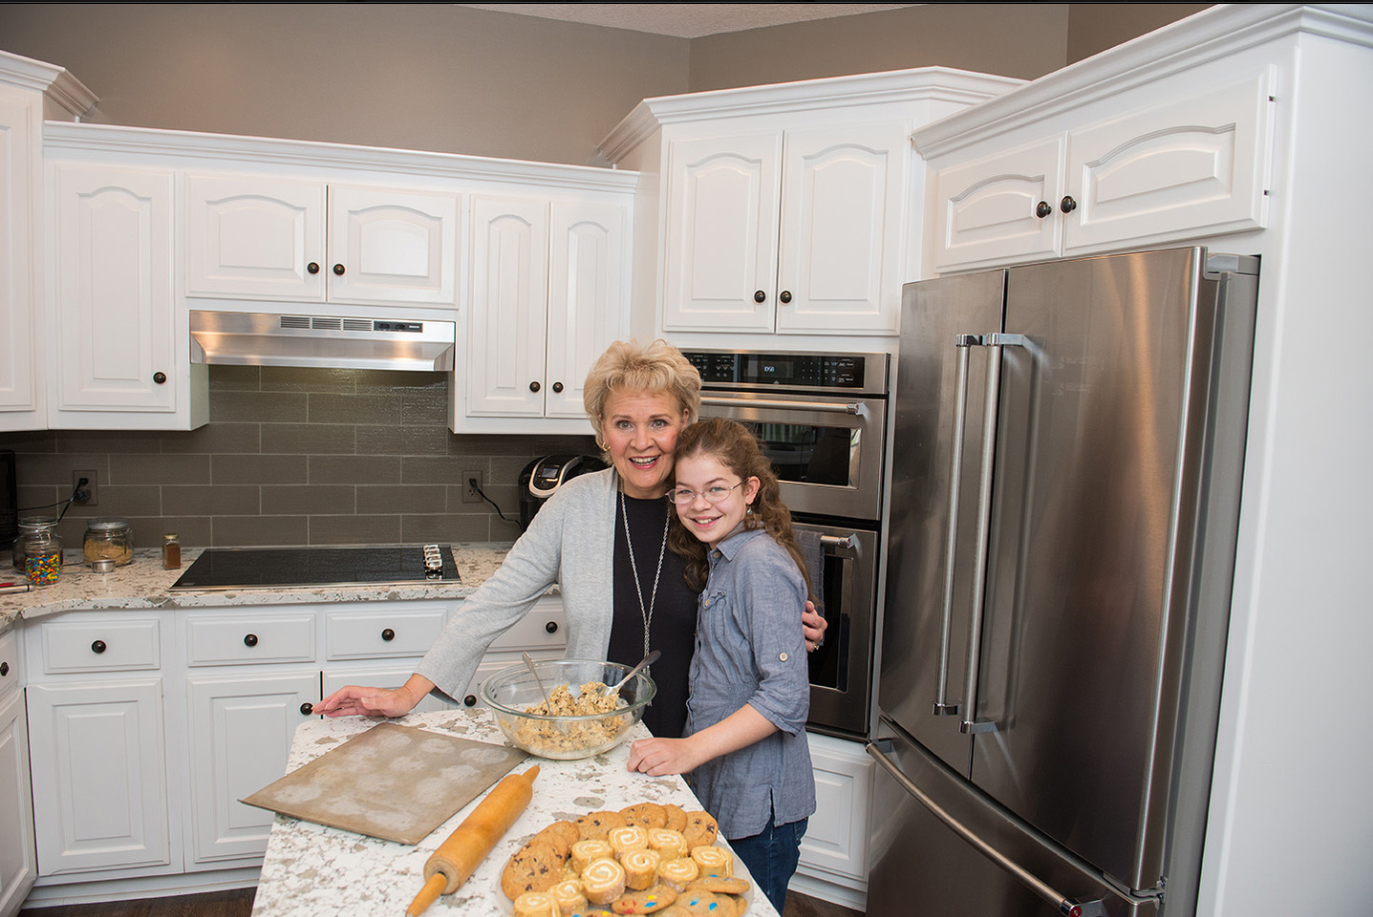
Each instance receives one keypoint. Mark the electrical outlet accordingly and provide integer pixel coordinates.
(469, 493)
(87, 494)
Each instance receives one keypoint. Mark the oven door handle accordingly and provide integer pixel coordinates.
(828, 407)
(848, 542)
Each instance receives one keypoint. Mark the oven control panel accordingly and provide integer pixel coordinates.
(859, 372)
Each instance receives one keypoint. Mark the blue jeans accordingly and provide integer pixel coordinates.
(771, 857)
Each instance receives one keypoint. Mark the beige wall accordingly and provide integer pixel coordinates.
(447, 78)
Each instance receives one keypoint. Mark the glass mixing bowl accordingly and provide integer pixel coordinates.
(513, 691)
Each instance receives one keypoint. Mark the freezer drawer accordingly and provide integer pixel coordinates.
(921, 866)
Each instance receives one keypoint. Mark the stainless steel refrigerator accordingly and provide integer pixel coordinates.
(1068, 449)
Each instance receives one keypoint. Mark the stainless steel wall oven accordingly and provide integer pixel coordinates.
(821, 419)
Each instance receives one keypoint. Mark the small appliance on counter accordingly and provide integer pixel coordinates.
(542, 477)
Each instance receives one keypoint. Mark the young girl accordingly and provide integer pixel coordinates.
(745, 741)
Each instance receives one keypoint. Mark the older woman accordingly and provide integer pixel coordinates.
(603, 539)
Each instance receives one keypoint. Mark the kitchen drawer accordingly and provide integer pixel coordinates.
(249, 639)
(381, 634)
(542, 629)
(108, 645)
(9, 663)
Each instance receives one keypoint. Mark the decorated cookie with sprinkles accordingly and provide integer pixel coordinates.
(648, 901)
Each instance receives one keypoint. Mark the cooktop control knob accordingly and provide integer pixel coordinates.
(433, 562)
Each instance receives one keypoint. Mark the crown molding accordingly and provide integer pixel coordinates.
(57, 83)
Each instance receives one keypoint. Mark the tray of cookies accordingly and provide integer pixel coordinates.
(643, 859)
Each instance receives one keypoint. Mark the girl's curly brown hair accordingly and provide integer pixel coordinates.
(735, 447)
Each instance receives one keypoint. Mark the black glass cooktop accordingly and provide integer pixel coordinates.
(263, 568)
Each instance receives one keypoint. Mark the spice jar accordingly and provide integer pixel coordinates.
(27, 526)
(42, 556)
(108, 538)
(171, 551)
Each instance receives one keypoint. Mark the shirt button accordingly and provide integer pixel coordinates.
(783, 657)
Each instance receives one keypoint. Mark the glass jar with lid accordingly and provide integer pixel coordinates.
(30, 525)
(108, 538)
(42, 556)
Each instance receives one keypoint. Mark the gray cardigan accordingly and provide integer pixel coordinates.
(571, 542)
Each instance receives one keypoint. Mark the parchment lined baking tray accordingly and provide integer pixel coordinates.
(394, 782)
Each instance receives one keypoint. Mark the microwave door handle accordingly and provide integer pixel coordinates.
(827, 407)
(1073, 907)
(963, 342)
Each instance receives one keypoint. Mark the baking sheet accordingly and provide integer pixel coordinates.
(394, 782)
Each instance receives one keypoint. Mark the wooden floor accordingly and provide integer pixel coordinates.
(240, 904)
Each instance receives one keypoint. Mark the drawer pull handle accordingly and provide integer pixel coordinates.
(4, 669)
(307, 708)
(250, 640)
(388, 635)
(98, 646)
(470, 700)
(551, 627)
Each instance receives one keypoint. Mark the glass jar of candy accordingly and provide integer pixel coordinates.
(108, 538)
(29, 525)
(42, 557)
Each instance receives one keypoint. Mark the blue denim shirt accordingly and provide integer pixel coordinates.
(750, 650)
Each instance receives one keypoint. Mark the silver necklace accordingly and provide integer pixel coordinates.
(645, 612)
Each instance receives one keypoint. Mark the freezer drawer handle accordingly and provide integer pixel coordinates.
(1073, 907)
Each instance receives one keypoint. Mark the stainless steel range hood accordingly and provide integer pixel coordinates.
(336, 342)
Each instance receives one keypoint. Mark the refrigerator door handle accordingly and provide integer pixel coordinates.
(963, 342)
(1073, 907)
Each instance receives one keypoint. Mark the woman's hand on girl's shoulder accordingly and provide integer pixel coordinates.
(658, 757)
(813, 626)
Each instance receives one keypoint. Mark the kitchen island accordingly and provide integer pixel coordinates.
(312, 869)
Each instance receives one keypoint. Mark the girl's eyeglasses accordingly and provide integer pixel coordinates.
(684, 497)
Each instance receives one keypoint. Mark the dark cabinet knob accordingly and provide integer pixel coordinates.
(1067, 205)
(784, 297)
(98, 646)
(388, 635)
(250, 640)
(470, 700)
(1043, 209)
(159, 378)
(338, 269)
(551, 627)
(759, 296)
(4, 669)
(558, 387)
(534, 386)
(307, 708)
(312, 267)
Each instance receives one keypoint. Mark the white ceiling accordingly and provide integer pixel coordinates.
(687, 20)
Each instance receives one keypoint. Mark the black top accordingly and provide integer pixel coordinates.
(673, 628)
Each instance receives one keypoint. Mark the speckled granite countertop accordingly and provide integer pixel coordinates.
(311, 869)
(144, 584)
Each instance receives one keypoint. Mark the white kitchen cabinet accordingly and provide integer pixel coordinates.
(21, 388)
(120, 352)
(240, 730)
(298, 240)
(549, 294)
(18, 860)
(794, 231)
(1182, 169)
(834, 851)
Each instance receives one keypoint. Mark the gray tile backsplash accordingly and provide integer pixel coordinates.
(292, 457)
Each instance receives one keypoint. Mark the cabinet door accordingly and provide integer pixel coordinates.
(836, 840)
(240, 735)
(1194, 167)
(261, 238)
(115, 325)
(839, 268)
(18, 866)
(99, 775)
(392, 246)
(586, 297)
(20, 392)
(509, 307)
(721, 254)
(987, 211)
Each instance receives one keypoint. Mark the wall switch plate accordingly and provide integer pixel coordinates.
(469, 493)
(89, 489)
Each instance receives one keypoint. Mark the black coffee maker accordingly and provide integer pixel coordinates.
(542, 477)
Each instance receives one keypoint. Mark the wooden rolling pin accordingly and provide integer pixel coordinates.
(471, 841)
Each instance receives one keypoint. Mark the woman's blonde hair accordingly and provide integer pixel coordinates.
(655, 368)
(733, 445)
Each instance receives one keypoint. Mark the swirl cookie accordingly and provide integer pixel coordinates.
(648, 901)
(669, 844)
(569, 896)
(536, 904)
(603, 881)
(714, 861)
(596, 825)
(585, 852)
(532, 868)
(641, 868)
(701, 830)
(623, 840)
(679, 873)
